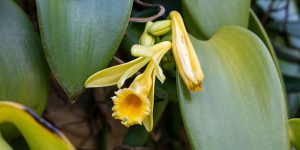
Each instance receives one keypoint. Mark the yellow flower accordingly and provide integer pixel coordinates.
(134, 105)
(186, 59)
(131, 105)
(118, 74)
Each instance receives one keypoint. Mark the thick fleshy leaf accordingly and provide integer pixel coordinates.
(23, 71)
(39, 134)
(294, 132)
(242, 103)
(256, 27)
(205, 17)
(80, 37)
(3, 144)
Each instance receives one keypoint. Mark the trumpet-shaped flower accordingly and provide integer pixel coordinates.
(185, 56)
(131, 105)
(134, 105)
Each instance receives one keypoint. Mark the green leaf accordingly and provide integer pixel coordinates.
(256, 27)
(23, 70)
(294, 132)
(3, 144)
(242, 103)
(80, 37)
(205, 17)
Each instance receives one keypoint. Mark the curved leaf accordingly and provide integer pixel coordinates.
(80, 37)
(205, 17)
(242, 103)
(294, 132)
(23, 71)
(39, 134)
(256, 27)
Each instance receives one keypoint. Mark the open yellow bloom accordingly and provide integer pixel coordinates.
(185, 56)
(131, 105)
(134, 105)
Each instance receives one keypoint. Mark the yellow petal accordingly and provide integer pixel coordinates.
(185, 56)
(112, 75)
(149, 51)
(148, 121)
(141, 51)
(156, 60)
(130, 106)
(132, 70)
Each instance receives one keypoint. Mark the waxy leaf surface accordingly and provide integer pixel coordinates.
(242, 103)
(80, 37)
(23, 71)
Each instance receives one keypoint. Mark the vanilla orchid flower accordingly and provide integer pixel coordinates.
(134, 105)
(185, 56)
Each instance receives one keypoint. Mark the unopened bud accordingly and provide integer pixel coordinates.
(186, 59)
(160, 27)
(146, 39)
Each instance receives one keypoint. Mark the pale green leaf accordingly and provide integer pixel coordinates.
(205, 17)
(242, 103)
(294, 132)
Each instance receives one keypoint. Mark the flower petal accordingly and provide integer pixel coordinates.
(148, 121)
(130, 106)
(112, 75)
(132, 70)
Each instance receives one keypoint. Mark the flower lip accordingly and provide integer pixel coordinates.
(130, 106)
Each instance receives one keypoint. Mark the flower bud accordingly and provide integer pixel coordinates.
(160, 27)
(146, 39)
(185, 56)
